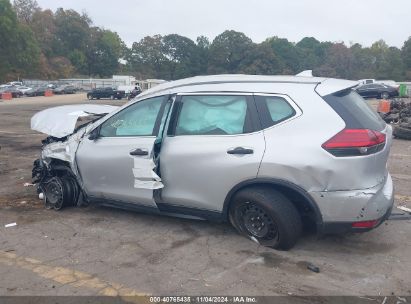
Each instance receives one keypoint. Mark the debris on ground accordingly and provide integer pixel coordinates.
(10, 225)
(399, 111)
(403, 208)
(399, 114)
(28, 185)
(313, 268)
(403, 131)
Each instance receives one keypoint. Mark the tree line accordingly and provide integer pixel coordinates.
(40, 43)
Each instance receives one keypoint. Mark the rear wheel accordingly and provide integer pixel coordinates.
(266, 216)
(90, 97)
(385, 95)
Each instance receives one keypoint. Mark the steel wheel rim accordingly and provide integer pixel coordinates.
(258, 223)
(54, 195)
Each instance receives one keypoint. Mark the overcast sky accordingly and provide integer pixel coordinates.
(363, 21)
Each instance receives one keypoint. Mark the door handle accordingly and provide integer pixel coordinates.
(138, 152)
(240, 150)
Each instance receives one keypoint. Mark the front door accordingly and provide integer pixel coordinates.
(213, 144)
(118, 165)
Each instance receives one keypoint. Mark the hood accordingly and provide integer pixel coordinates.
(61, 121)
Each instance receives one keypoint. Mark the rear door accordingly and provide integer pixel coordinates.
(213, 143)
(119, 164)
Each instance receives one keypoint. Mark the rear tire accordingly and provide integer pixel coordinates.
(266, 216)
(385, 95)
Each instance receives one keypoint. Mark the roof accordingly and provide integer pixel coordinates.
(330, 85)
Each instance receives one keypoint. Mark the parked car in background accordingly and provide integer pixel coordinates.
(15, 93)
(106, 93)
(39, 91)
(390, 83)
(126, 88)
(267, 153)
(15, 83)
(377, 90)
(23, 89)
(51, 86)
(387, 82)
(65, 89)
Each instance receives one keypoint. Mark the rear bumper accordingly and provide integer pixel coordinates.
(341, 227)
(340, 209)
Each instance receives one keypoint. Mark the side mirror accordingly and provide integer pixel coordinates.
(95, 134)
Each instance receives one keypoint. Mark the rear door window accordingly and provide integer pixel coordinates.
(355, 111)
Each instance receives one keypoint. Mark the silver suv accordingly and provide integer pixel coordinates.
(270, 154)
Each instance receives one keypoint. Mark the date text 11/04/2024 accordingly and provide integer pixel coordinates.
(203, 299)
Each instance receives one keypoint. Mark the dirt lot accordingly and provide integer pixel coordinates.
(101, 251)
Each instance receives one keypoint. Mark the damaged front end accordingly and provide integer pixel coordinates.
(55, 172)
(56, 184)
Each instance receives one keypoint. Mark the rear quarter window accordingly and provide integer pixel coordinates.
(355, 111)
(273, 110)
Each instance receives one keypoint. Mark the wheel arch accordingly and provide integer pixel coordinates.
(282, 186)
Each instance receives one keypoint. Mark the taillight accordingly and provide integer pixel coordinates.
(355, 142)
(365, 224)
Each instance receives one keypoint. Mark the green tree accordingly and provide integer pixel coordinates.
(311, 53)
(227, 52)
(406, 57)
(72, 32)
(147, 58)
(182, 55)
(379, 51)
(394, 65)
(103, 52)
(338, 62)
(362, 62)
(44, 28)
(261, 60)
(287, 54)
(203, 50)
(61, 67)
(19, 52)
